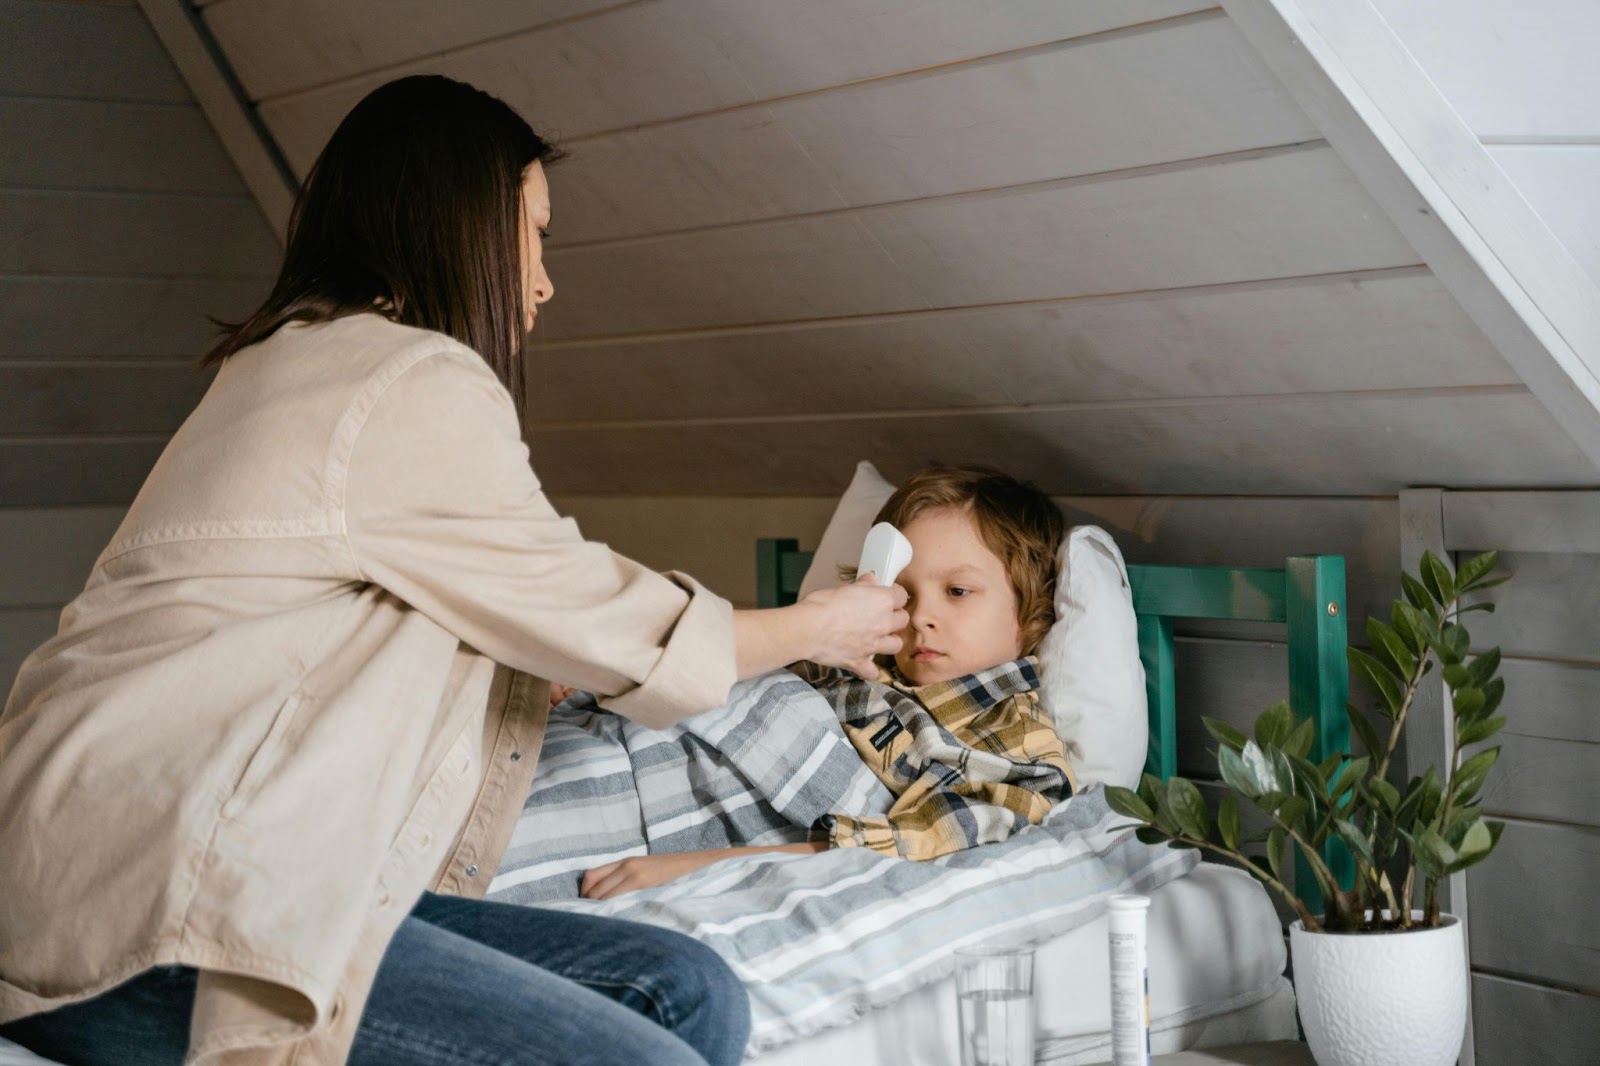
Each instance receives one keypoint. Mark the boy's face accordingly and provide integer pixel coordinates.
(962, 606)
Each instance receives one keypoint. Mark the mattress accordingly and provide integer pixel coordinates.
(1216, 963)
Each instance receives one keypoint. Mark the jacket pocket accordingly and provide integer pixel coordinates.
(263, 759)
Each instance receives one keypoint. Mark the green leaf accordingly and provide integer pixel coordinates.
(1468, 704)
(1474, 770)
(1354, 839)
(1311, 775)
(1493, 582)
(1299, 742)
(1380, 677)
(1224, 733)
(1275, 841)
(1486, 606)
(1452, 643)
(1416, 593)
(1228, 820)
(1236, 774)
(1293, 810)
(1263, 770)
(1351, 775)
(1148, 834)
(1385, 638)
(1387, 795)
(1474, 847)
(1456, 676)
(1436, 576)
(1433, 854)
(1274, 724)
(1493, 693)
(1364, 732)
(1127, 802)
(1480, 730)
(1483, 667)
(1327, 766)
(1189, 808)
(1475, 568)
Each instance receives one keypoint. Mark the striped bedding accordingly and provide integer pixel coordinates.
(817, 939)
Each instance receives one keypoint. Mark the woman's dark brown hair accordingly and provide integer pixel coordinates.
(414, 207)
(1018, 522)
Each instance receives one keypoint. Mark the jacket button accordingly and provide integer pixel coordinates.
(472, 871)
(516, 756)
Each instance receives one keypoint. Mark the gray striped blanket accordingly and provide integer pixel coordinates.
(817, 939)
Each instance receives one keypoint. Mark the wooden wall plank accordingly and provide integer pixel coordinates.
(1268, 215)
(94, 144)
(1520, 1023)
(1559, 522)
(1309, 445)
(21, 631)
(1535, 895)
(1536, 777)
(278, 46)
(142, 234)
(1395, 329)
(118, 318)
(1559, 181)
(1184, 89)
(1553, 700)
(88, 51)
(687, 57)
(66, 472)
(99, 400)
(50, 551)
(1550, 608)
(1508, 70)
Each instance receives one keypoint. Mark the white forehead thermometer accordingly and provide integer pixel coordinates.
(884, 554)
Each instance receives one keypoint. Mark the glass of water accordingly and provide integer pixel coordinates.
(995, 990)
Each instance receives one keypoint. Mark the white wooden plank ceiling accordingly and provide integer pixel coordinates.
(1096, 243)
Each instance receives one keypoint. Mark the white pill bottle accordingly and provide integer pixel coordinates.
(1130, 982)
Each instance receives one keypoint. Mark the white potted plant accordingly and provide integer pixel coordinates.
(1380, 973)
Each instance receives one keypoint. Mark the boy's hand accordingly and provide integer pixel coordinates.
(646, 871)
(559, 692)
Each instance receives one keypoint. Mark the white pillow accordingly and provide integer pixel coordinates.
(847, 529)
(1091, 680)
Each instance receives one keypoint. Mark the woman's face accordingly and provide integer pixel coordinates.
(536, 286)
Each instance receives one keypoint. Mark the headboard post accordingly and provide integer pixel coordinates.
(1157, 651)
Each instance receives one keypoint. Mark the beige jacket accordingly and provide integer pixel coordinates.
(274, 715)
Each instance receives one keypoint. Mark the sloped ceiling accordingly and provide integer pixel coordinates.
(1096, 243)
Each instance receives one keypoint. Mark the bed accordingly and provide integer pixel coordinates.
(1217, 950)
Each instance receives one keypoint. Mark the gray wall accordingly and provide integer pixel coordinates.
(122, 225)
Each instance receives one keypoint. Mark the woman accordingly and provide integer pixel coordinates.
(302, 690)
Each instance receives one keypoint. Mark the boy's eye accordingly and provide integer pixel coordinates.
(957, 591)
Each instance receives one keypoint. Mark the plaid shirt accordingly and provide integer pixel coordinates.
(971, 760)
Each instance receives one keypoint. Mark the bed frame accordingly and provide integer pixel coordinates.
(1307, 596)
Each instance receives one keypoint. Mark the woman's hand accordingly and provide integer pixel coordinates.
(844, 626)
(859, 621)
(646, 871)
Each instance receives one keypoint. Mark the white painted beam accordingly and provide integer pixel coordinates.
(211, 81)
(1414, 154)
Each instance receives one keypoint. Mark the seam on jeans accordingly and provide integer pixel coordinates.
(668, 1018)
(448, 1053)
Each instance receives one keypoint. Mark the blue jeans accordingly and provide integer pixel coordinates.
(466, 983)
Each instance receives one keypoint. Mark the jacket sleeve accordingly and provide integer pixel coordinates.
(443, 509)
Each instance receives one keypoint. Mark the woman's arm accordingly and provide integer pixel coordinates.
(645, 871)
(843, 626)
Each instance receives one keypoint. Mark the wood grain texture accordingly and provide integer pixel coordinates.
(1266, 215)
(65, 472)
(137, 234)
(1536, 895)
(46, 400)
(1308, 445)
(1395, 329)
(1184, 89)
(94, 144)
(1560, 522)
(118, 318)
(1550, 608)
(86, 51)
(685, 58)
(1518, 1022)
(50, 552)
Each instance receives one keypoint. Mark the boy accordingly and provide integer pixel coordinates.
(953, 725)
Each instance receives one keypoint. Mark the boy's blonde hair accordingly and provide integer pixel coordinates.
(1018, 522)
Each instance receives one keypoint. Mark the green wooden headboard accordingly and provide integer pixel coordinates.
(1307, 596)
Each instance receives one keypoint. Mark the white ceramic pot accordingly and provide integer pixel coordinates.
(1381, 999)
